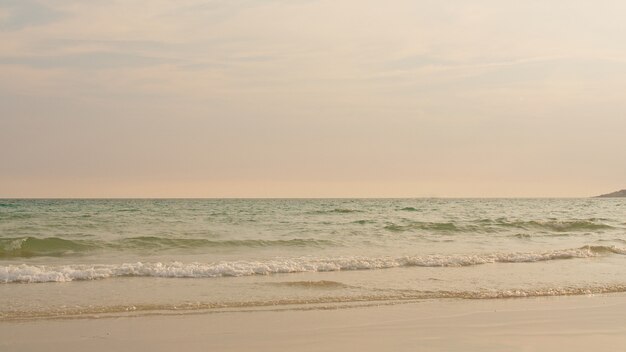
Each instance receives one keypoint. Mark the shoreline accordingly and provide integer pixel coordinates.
(575, 323)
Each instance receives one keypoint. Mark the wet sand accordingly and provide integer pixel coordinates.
(572, 323)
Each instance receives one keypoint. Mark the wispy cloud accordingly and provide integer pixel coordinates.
(91, 60)
(21, 14)
(404, 86)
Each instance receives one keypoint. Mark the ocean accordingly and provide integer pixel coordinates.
(93, 258)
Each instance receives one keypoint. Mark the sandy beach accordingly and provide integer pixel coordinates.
(573, 323)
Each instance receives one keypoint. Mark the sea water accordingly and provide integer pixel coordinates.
(84, 258)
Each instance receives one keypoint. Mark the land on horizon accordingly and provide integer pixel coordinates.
(617, 194)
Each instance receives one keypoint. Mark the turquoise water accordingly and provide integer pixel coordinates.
(76, 257)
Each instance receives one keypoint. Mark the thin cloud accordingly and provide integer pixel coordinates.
(91, 60)
(21, 14)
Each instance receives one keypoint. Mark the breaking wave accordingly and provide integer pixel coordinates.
(39, 273)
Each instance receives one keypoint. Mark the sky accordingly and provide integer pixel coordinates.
(307, 98)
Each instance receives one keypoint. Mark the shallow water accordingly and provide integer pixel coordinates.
(85, 257)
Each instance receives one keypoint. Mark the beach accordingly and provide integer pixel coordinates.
(316, 275)
(569, 323)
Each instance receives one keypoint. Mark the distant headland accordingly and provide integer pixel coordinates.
(621, 193)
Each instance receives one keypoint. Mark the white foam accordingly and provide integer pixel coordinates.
(40, 273)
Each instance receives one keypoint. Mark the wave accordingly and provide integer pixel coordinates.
(159, 242)
(8, 205)
(26, 247)
(37, 274)
(364, 222)
(311, 284)
(334, 211)
(310, 303)
(550, 225)
(620, 240)
(518, 293)
(418, 225)
(496, 225)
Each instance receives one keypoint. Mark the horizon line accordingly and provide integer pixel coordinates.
(287, 198)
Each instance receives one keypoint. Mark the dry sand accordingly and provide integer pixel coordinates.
(579, 323)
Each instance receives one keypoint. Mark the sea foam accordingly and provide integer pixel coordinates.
(63, 273)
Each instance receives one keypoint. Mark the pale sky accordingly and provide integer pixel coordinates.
(306, 98)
